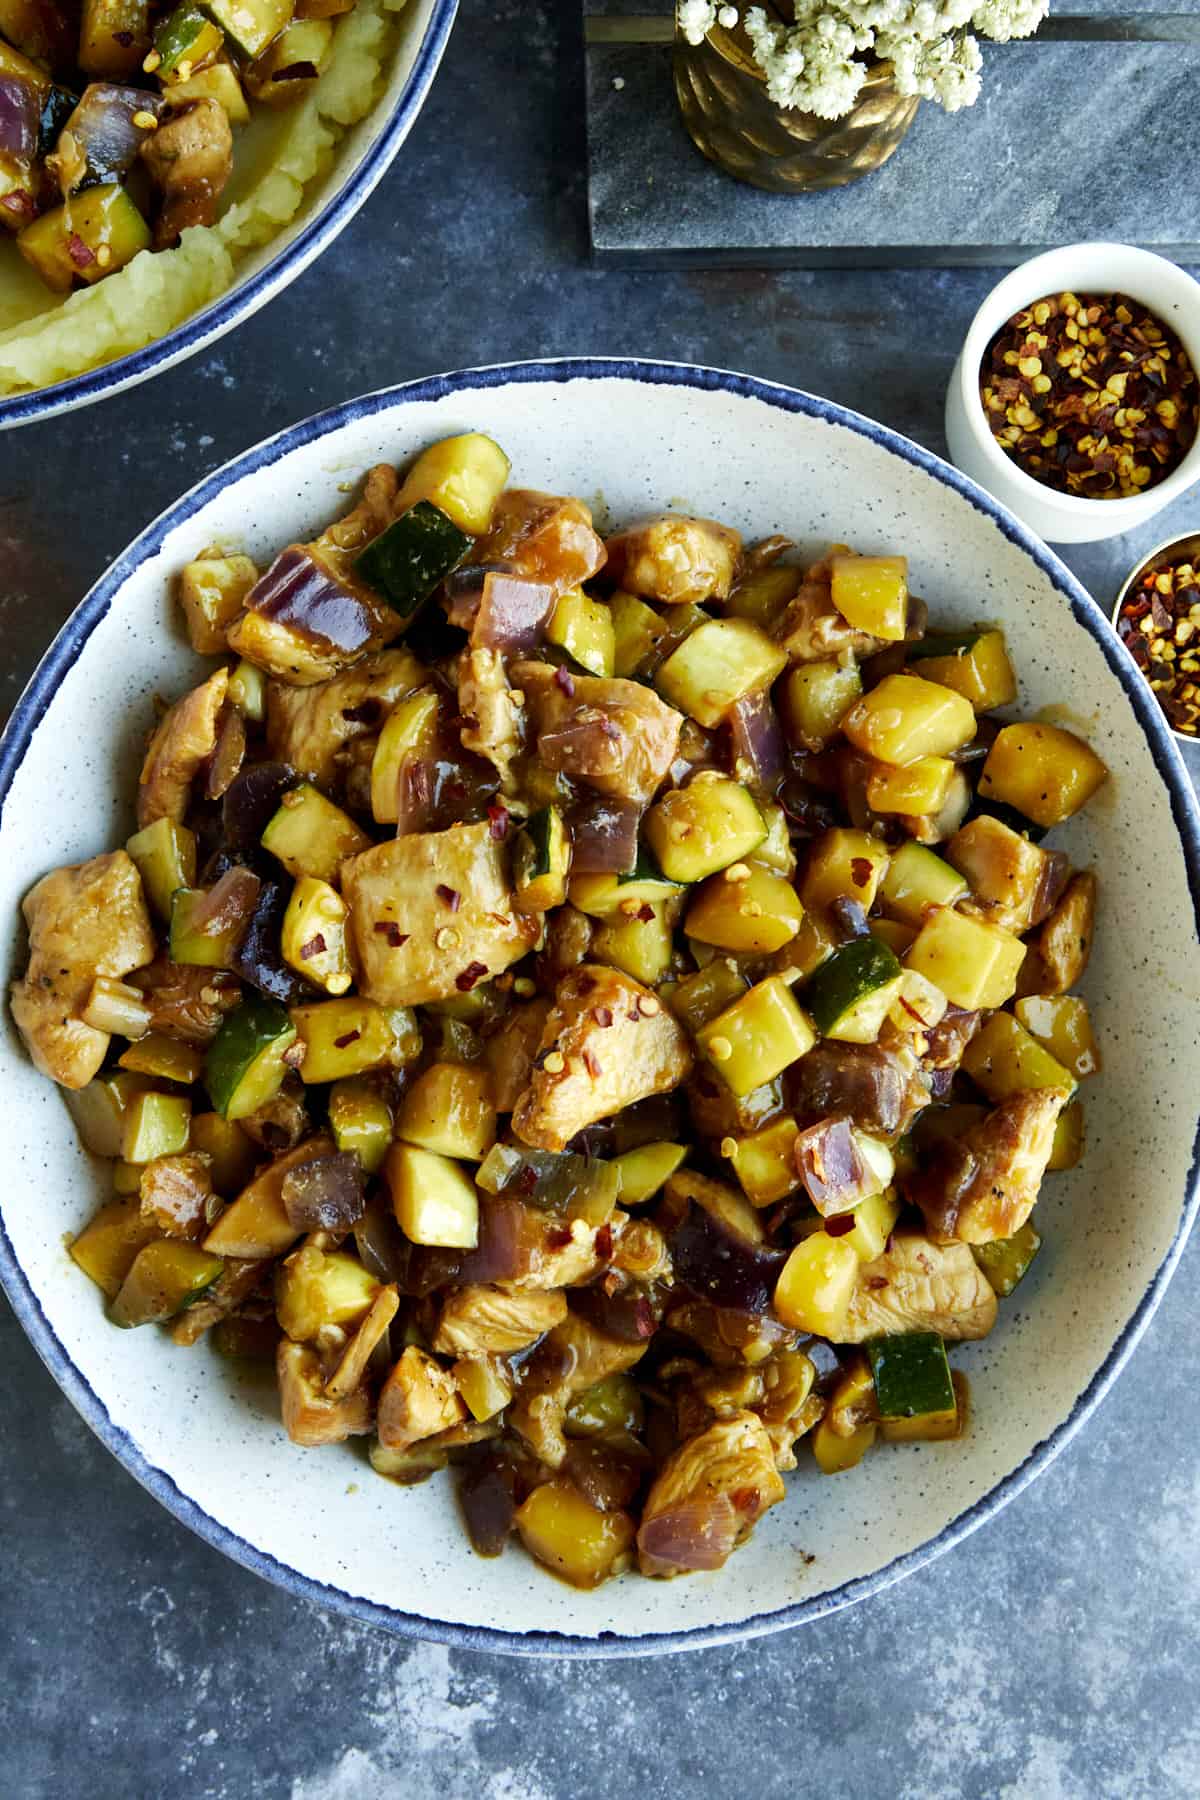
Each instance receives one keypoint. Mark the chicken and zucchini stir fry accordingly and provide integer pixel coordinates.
(596, 1013)
(117, 124)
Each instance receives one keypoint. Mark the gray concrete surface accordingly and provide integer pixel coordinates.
(1051, 1657)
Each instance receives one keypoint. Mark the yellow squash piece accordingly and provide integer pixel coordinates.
(981, 673)
(747, 909)
(449, 1108)
(843, 865)
(905, 718)
(1045, 772)
(757, 1037)
(717, 665)
(814, 698)
(871, 593)
(108, 1243)
(211, 592)
(570, 1536)
(1003, 1058)
(1062, 1023)
(434, 1200)
(813, 1292)
(462, 476)
(973, 963)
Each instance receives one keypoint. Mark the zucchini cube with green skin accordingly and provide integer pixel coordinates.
(311, 836)
(313, 936)
(974, 964)
(1003, 1058)
(315, 1288)
(644, 1170)
(905, 718)
(409, 731)
(976, 665)
(93, 234)
(912, 1375)
(449, 1109)
(606, 896)
(360, 1120)
(165, 1277)
(700, 829)
(636, 630)
(916, 881)
(759, 1036)
(434, 1199)
(412, 555)
(853, 991)
(185, 41)
(583, 627)
(107, 1245)
(199, 949)
(1067, 1149)
(541, 860)
(165, 854)
(717, 665)
(871, 593)
(462, 476)
(349, 1036)
(155, 1125)
(212, 589)
(1007, 1261)
(250, 24)
(757, 914)
(245, 1067)
(289, 66)
(843, 865)
(765, 1162)
(700, 997)
(247, 691)
(814, 698)
(164, 1058)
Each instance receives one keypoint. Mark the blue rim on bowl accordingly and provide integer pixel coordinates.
(245, 298)
(1185, 809)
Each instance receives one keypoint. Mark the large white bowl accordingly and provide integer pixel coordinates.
(628, 437)
(363, 155)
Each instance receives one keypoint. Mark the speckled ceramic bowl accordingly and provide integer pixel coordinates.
(630, 437)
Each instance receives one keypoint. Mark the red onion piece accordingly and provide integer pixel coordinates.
(20, 118)
(502, 611)
(832, 1167)
(414, 794)
(325, 1194)
(100, 141)
(630, 1315)
(758, 747)
(696, 1534)
(298, 594)
(604, 836)
(510, 1236)
(228, 905)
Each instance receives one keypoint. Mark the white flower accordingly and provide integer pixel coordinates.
(1002, 20)
(695, 19)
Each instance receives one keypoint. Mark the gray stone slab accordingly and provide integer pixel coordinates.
(1068, 141)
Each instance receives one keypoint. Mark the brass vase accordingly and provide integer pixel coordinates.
(723, 97)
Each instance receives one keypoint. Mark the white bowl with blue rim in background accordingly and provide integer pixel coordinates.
(765, 459)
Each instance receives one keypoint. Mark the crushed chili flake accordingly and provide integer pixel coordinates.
(316, 946)
(564, 679)
(860, 870)
(557, 1238)
(604, 1242)
(591, 1063)
(349, 1037)
(470, 975)
(79, 253)
(1159, 624)
(1090, 394)
(498, 820)
(389, 929)
(602, 1016)
(448, 896)
(645, 912)
(877, 1281)
(839, 1224)
(526, 1180)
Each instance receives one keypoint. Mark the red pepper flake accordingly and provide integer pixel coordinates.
(21, 205)
(645, 912)
(839, 1224)
(557, 1238)
(591, 1063)
(470, 975)
(585, 984)
(350, 1037)
(389, 929)
(745, 1500)
(860, 870)
(77, 250)
(602, 1016)
(877, 1281)
(448, 896)
(498, 820)
(565, 681)
(604, 1242)
(316, 946)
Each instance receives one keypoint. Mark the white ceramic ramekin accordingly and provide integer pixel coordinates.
(1165, 290)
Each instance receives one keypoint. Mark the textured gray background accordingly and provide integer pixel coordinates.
(1054, 1655)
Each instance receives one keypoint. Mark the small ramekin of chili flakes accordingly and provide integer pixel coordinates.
(1076, 400)
(1157, 618)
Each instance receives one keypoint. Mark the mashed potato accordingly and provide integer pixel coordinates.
(160, 289)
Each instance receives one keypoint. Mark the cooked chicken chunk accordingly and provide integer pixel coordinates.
(920, 1286)
(1014, 883)
(492, 715)
(190, 158)
(86, 920)
(431, 915)
(1064, 943)
(510, 1051)
(985, 1184)
(310, 1417)
(542, 537)
(371, 513)
(185, 739)
(707, 1496)
(588, 1249)
(608, 1042)
(311, 727)
(676, 560)
(812, 630)
(617, 736)
(574, 1356)
(419, 1399)
(485, 1317)
(176, 1193)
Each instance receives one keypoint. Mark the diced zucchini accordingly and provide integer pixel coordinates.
(165, 1058)
(852, 1397)
(575, 1187)
(165, 854)
(163, 1278)
(1062, 1024)
(700, 829)
(232, 1156)
(256, 1226)
(643, 946)
(212, 589)
(912, 1375)
(814, 698)
(565, 1532)
(916, 790)
(200, 949)
(700, 997)
(348, 1036)
(127, 1178)
(905, 718)
(918, 1006)
(217, 82)
(926, 1428)
(894, 933)
(814, 1289)
(541, 860)
(644, 1170)
(874, 1220)
(315, 1288)
(835, 1454)
(463, 476)
(843, 864)
(251, 24)
(289, 66)
(975, 666)
(678, 623)
(716, 666)
(185, 41)
(1045, 772)
(412, 555)
(1067, 1150)
(313, 936)
(155, 1125)
(871, 593)
(360, 1120)
(583, 627)
(611, 1410)
(312, 836)
(759, 913)
(776, 848)
(762, 597)
(485, 1385)
(410, 731)
(853, 991)
(917, 881)
(759, 1036)
(765, 1162)
(247, 691)
(114, 36)
(99, 1111)
(975, 964)
(604, 896)
(636, 630)
(1002, 1058)
(93, 234)
(107, 1245)
(449, 1109)
(434, 1199)
(245, 1067)
(1006, 1261)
